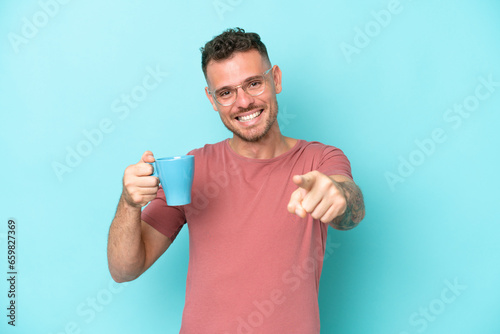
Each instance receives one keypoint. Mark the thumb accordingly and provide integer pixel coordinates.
(305, 181)
(147, 157)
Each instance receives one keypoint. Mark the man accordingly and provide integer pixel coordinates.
(261, 206)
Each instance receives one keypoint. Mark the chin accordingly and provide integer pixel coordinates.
(253, 136)
(250, 139)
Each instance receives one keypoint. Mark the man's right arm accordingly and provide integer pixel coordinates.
(133, 245)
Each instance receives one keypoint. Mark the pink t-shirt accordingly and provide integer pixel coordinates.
(253, 266)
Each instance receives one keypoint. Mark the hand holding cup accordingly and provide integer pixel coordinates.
(139, 186)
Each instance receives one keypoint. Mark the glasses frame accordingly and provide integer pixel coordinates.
(212, 93)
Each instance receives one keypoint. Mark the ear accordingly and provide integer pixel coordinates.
(277, 79)
(211, 99)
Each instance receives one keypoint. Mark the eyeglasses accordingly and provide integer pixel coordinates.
(253, 86)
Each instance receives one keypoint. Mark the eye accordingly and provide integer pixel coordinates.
(224, 93)
(255, 84)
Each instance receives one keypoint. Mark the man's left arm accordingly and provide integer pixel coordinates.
(334, 199)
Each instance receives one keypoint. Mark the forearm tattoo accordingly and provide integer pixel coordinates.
(355, 210)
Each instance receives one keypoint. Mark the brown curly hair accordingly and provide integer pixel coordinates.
(230, 41)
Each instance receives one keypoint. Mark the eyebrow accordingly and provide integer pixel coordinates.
(244, 81)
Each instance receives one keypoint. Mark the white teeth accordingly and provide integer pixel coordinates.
(249, 117)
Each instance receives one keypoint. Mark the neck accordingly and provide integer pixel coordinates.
(268, 147)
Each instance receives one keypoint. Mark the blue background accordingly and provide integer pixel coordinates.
(439, 226)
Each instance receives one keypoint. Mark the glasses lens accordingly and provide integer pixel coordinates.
(256, 86)
(225, 96)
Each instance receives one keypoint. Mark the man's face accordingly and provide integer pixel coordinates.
(261, 111)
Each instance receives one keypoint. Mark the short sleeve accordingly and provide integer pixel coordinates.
(334, 162)
(168, 220)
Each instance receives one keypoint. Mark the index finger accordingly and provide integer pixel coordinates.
(144, 169)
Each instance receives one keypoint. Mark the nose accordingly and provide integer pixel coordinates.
(243, 100)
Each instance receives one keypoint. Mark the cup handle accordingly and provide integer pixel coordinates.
(155, 172)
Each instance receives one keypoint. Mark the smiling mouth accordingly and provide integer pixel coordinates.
(249, 117)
